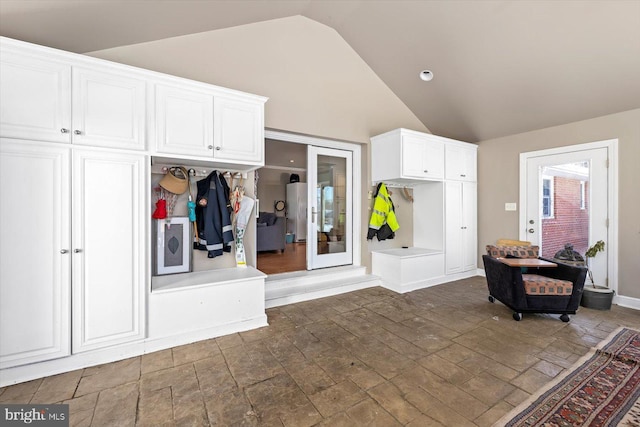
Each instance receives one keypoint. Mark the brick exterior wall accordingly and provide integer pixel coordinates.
(570, 224)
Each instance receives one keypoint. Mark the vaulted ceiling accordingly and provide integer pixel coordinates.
(500, 67)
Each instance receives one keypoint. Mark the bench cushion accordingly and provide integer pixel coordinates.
(515, 251)
(541, 285)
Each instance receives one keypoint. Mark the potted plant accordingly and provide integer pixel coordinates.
(591, 253)
(598, 297)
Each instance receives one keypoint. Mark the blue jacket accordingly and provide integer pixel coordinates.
(213, 215)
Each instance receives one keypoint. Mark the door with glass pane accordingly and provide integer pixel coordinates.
(329, 236)
(567, 203)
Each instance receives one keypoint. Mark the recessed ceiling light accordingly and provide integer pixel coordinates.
(426, 75)
(291, 161)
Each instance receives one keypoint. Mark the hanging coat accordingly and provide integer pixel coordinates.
(383, 222)
(213, 215)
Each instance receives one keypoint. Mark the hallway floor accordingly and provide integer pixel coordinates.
(437, 356)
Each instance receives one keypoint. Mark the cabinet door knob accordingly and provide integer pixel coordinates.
(64, 251)
(63, 130)
(426, 171)
(77, 251)
(218, 148)
(531, 230)
(77, 132)
(462, 175)
(210, 147)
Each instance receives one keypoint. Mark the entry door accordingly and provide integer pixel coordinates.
(567, 202)
(330, 213)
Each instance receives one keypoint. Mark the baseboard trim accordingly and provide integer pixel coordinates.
(628, 302)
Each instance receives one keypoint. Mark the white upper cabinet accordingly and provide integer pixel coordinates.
(460, 161)
(406, 157)
(35, 98)
(184, 121)
(209, 125)
(108, 109)
(47, 99)
(238, 130)
(422, 158)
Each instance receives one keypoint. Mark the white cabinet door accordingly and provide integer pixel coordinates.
(461, 226)
(184, 122)
(460, 163)
(35, 98)
(108, 109)
(238, 131)
(108, 251)
(469, 221)
(422, 158)
(453, 227)
(35, 282)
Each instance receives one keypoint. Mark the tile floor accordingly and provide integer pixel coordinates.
(438, 356)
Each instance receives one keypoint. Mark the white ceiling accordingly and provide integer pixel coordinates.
(501, 67)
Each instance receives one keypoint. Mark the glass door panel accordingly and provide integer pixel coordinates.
(330, 208)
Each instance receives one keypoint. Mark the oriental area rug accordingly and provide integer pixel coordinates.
(601, 389)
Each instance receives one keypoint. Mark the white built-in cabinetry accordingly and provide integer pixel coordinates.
(460, 222)
(35, 276)
(63, 241)
(108, 247)
(77, 138)
(442, 174)
(49, 100)
(404, 156)
(196, 122)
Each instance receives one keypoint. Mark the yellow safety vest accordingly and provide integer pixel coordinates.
(383, 211)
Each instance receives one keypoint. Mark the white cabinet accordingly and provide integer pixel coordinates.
(406, 157)
(50, 100)
(73, 230)
(35, 256)
(460, 161)
(422, 157)
(109, 260)
(35, 98)
(209, 125)
(108, 109)
(460, 226)
(238, 131)
(184, 121)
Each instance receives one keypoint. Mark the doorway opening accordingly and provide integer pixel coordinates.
(308, 215)
(568, 195)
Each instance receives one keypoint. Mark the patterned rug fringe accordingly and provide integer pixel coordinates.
(600, 389)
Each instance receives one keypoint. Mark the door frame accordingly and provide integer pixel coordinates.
(612, 198)
(356, 181)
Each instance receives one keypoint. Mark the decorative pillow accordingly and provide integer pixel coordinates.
(514, 251)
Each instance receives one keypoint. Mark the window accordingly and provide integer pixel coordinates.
(583, 195)
(547, 197)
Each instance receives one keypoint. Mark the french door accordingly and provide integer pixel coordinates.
(330, 208)
(567, 202)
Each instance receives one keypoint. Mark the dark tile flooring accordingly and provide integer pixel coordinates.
(437, 356)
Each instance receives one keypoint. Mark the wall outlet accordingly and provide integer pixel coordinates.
(510, 207)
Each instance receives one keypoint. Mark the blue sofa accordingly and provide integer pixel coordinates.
(270, 232)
